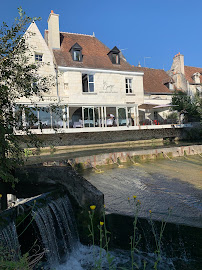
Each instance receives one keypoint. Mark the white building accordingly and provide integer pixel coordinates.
(93, 86)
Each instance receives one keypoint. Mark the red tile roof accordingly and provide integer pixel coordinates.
(154, 80)
(94, 53)
(189, 71)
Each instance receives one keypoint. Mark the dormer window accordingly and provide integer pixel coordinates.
(196, 78)
(114, 56)
(76, 52)
(169, 85)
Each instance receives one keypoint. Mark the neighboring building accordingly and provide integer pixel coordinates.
(158, 90)
(186, 78)
(92, 84)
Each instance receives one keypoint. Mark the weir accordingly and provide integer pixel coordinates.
(9, 239)
(57, 227)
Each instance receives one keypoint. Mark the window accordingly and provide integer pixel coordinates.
(44, 117)
(114, 56)
(77, 56)
(76, 52)
(129, 89)
(169, 85)
(88, 82)
(38, 57)
(57, 117)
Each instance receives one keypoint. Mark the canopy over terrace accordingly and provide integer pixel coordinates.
(78, 116)
(155, 113)
(149, 106)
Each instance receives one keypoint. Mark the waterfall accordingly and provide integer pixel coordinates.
(57, 228)
(9, 240)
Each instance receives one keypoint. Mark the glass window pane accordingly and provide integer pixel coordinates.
(18, 117)
(91, 87)
(76, 55)
(31, 116)
(122, 116)
(91, 78)
(85, 82)
(115, 58)
(44, 117)
(57, 117)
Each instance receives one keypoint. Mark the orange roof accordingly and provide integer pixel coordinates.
(154, 80)
(94, 53)
(189, 71)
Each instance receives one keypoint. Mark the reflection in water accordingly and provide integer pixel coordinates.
(159, 185)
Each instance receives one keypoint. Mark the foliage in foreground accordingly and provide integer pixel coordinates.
(18, 78)
(104, 239)
(9, 262)
(191, 106)
(13, 260)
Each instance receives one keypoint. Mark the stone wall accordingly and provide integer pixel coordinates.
(81, 191)
(88, 138)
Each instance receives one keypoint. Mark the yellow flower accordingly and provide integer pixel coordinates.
(0, 195)
(104, 206)
(92, 207)
(150, 211)
(101, 223)
(134, 197)
(128, 198)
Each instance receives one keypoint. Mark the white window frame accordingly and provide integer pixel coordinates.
(129, 89)
(90, 74)
(38, 57)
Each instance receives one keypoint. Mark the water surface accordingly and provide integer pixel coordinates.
(159, 185)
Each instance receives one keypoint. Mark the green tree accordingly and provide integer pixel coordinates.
(18, 78)
(190, 105)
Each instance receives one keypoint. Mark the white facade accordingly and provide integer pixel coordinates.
(77, 108)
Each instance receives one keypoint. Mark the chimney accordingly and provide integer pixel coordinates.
(53, 31)
(178, 64)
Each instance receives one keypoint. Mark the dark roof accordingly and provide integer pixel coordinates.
(94, 53)
(154, 80)
(189, 71)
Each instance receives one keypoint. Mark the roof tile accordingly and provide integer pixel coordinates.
(154, 80)
(94, 53)
(189, 71)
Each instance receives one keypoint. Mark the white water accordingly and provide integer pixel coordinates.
(83, 259)
(9, 239)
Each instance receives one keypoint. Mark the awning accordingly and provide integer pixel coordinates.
(149, 106)
(164, 106)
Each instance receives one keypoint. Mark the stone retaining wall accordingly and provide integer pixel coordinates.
(124, 156)
(88, 138)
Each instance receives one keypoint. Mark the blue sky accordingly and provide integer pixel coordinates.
(145, 28)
